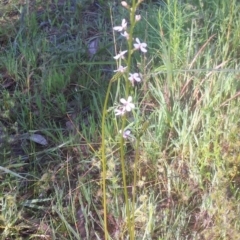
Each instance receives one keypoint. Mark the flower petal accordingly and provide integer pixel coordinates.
(123, 101)
(118, 28)
(129, 99)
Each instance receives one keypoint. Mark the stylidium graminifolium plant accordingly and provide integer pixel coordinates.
(125, 106)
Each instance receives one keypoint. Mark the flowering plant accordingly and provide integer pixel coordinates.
(125, 107)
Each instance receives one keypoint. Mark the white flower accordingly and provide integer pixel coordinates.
(122, 27)
(120, 112)
(120, 55)
(127, 104)
(125, 34)
(139, 45)
(121, 69)
(126, 134)
(134, 77)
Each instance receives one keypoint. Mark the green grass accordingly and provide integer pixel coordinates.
(186, 120)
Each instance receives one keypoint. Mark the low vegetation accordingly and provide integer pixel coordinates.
(181, 155)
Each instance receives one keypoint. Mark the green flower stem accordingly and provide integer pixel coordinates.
(137, 154)
(122, 153)
(103, 155)
(130, 222)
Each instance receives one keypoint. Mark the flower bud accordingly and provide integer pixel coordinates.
(137, 18)
(124, 4)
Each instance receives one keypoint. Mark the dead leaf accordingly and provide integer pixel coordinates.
(93, 47)
(37, 138)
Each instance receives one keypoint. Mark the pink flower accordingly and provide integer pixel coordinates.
(134, 77)
(122, 27)
(127, 104)
(139, 45)
(126, 134)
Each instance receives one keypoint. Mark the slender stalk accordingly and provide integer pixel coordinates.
(103, 155)
(130, 222)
